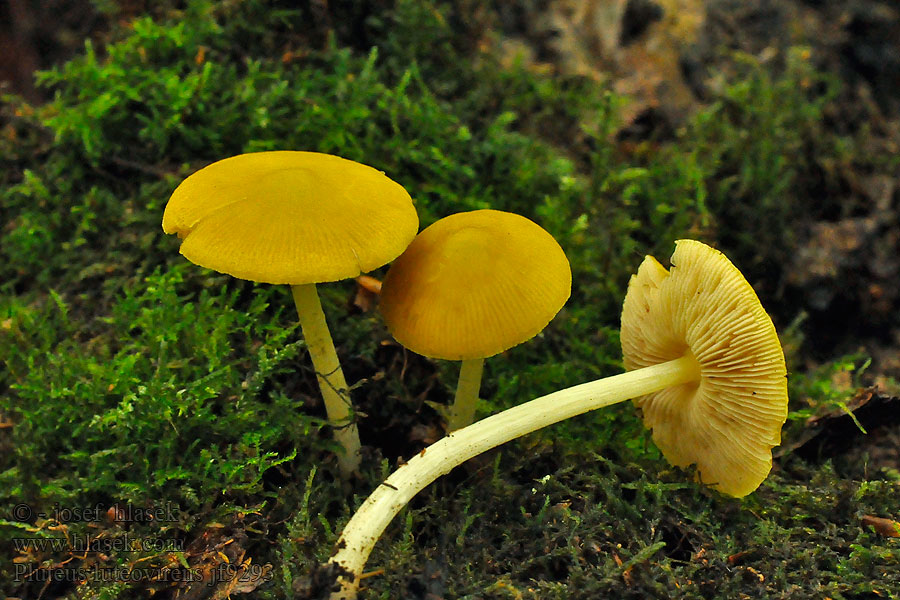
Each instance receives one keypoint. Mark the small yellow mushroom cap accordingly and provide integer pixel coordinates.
(728, 423)
(290, 217)
(475, 284)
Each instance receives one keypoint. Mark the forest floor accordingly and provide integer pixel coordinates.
(770, 129)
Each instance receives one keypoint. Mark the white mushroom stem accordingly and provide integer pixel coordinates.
(334, 387)
(462, 412)
(366, 526)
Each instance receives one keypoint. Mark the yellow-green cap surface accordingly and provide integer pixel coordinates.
(728, 423)
(290, 217)
(475, 284)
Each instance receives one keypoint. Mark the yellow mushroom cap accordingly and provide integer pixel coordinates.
(475, 284)
(728, 423)
(290, 217)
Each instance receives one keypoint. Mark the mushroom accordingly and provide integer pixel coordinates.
(470, 286)
(727, 419)
(296, 218)
(707, 370)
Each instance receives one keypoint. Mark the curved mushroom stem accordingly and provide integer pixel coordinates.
(462, 412)
(366, 526)
(334, 387)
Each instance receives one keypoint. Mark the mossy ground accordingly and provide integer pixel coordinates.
(134, 379)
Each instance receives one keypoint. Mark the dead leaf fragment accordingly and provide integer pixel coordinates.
(740, 557)
(367, 292)
(885, 527)
(626, 574)
(369, 284)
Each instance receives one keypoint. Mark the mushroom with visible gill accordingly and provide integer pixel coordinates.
(470, 286)
(708, 373)
(296, 218)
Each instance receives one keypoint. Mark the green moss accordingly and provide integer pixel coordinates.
(597, 527)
